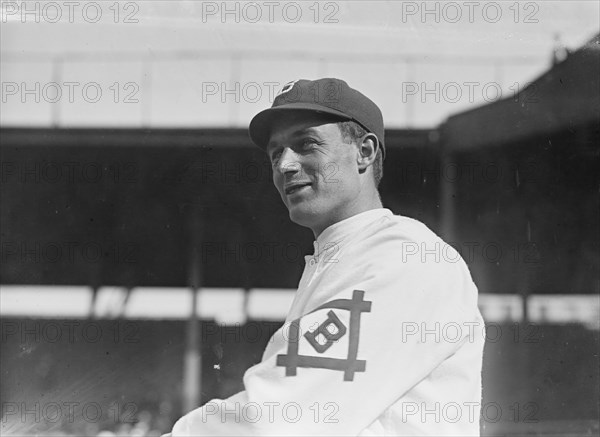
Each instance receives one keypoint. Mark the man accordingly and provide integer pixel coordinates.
(384, 336)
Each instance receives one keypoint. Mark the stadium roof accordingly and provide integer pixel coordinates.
(563, 98)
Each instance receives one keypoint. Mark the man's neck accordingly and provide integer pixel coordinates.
(350, 212)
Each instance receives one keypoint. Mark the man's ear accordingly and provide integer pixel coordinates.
(367, 151)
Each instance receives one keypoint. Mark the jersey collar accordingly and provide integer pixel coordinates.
(337, 232)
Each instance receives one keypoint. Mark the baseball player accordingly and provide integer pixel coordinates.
(384, 336)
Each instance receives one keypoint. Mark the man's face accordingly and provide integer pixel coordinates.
(314, 170)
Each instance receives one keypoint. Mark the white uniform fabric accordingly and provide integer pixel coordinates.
(384, 337)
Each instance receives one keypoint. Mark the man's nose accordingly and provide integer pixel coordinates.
(288, 162)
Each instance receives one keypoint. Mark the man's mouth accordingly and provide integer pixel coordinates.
(293, 188)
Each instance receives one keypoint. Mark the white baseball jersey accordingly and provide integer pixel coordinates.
(384, 337)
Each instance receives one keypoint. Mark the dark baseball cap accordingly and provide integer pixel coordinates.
(326, 96)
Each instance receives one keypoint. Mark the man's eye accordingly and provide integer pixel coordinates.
(275, 155)
(308, 143)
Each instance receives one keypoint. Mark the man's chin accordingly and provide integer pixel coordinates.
(302, 216)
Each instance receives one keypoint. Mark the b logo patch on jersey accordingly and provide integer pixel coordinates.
(328, 332)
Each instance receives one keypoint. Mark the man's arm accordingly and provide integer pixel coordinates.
(339, 367)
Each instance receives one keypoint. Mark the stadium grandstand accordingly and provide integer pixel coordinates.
(147, 259)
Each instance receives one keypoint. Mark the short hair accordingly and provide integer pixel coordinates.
(352, 132)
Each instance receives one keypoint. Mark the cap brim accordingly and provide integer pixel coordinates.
(260, 125)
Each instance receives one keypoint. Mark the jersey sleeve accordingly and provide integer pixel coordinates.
(383, 323)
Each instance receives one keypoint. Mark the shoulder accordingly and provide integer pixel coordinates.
(403, 250)
(405, 234)
(409, 228)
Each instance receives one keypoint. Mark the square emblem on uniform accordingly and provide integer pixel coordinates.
(329, 332)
